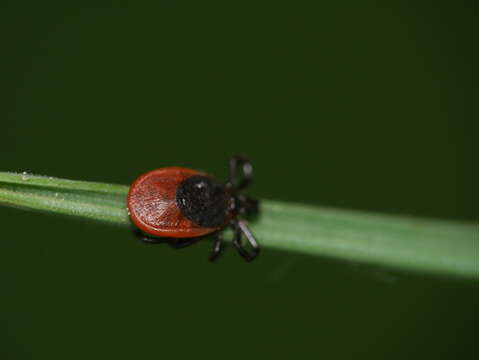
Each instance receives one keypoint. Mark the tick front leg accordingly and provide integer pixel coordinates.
(240, 228)
(217, 246)
(241, 172)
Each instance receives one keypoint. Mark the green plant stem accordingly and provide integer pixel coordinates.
(413, 244)
(91, 200)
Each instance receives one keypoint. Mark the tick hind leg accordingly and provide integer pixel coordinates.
(176, 243)
(240, 229)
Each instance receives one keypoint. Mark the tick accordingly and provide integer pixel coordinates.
(180, 206)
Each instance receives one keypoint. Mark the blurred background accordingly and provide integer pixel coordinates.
(360, 105)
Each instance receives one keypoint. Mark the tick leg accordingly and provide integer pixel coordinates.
(217, 246)
(176, 243)
(240, 228)
(249, 236)
(172, 242)
(147, 239)
(241, 172)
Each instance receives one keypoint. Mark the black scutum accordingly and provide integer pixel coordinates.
(202, 200)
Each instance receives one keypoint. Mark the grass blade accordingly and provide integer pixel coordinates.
(97, 201)
(413, 244)
(408, 243)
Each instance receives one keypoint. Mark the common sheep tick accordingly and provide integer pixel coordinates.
(179, 206)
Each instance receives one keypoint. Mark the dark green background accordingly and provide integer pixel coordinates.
(364, 105)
